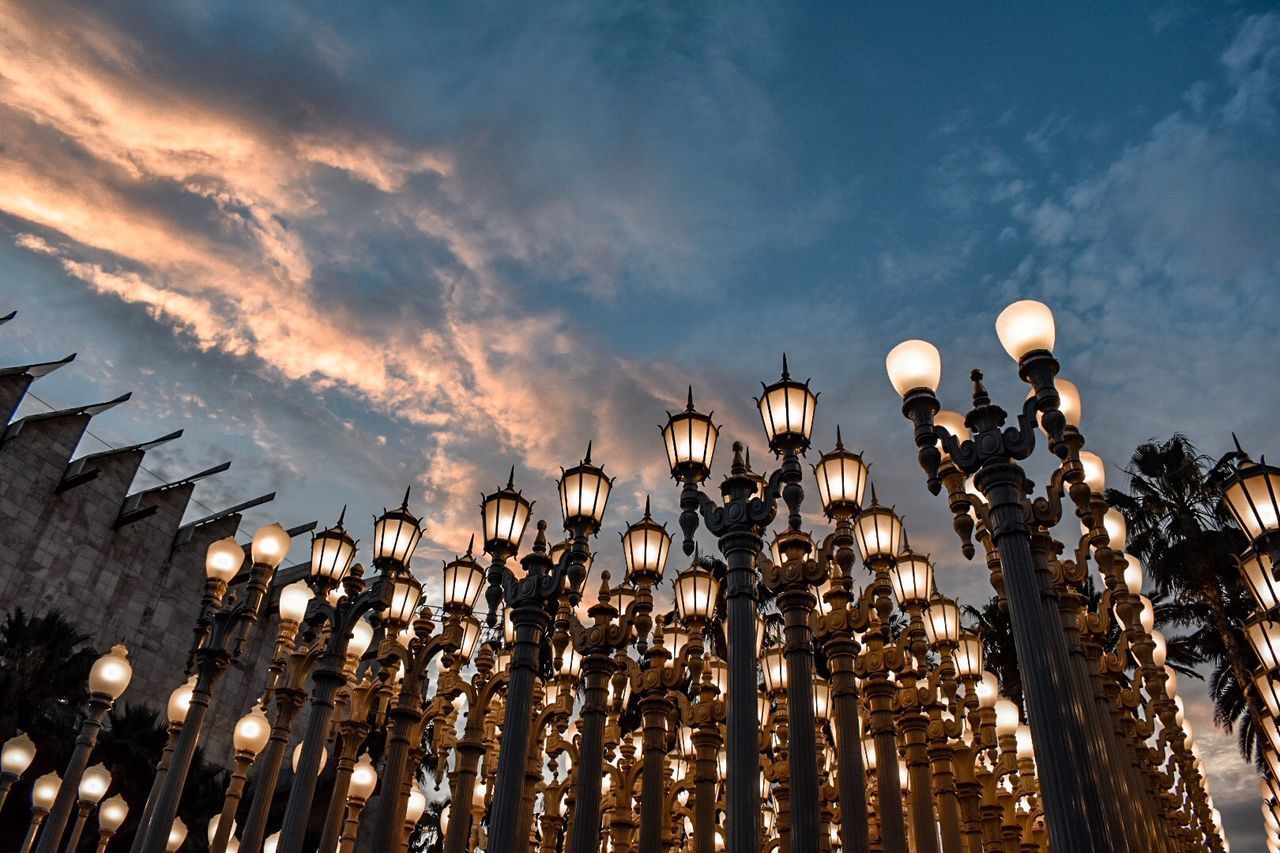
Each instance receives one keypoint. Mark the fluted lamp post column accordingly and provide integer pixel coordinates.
(747, 505)
(108, 678)
(842, 481)
(1076, 816)
(793, 580)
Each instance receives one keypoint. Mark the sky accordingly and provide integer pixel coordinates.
(357, 247)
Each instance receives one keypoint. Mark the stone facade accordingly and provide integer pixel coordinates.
(120, 564)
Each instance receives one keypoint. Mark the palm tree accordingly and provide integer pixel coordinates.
(44, 676)
(1179, 529)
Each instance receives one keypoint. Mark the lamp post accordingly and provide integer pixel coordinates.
(93, 787)
(16, 756)
(842, 481)
(108, 678)
(364, 778)
(176, 710)
(43, 794)
(392, 596)
(221, 629)
(793, 580)
(248, 738)
(111, 815)
(1077, 817)
(584, 493)
(738, 521)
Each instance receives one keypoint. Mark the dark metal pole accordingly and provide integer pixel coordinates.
(56, 824)
(328, 678)
(1075, 816)
(470, 748)
(656, 709)
(235, 788)
(743, 785)
(352, 735)
(797, 603)
(388, 825)
(531, 621)
(289, 701)
(585, 837)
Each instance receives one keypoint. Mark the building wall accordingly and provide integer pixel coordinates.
(138, 582)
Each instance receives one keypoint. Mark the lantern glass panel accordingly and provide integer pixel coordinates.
(645, 547)
(584, 491)
(912, 577)
(942, 621)
(696, 591)
(1259, 576)
(878, 531)
(395, 536)
(463, 581)
(842, 480)
(968, 656)
(332, 551)
(690, 439)
(1264, 638)
(774, 664)
(505, 515)
(1253, 498)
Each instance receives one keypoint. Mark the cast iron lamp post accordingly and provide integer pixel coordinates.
(221, 631)
(738, 521)
(531, 601)
(842, 482)
(1077, 818)
(645, 546)
(393, 596)
(248, 738)
(108, 678)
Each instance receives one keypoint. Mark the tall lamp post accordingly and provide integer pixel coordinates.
(222, 629)
(738, 521)
(1077, 817)
(108, 678)
(531, 600)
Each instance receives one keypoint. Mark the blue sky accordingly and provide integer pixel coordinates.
(353, 247)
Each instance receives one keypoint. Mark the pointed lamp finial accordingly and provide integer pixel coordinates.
(980, 395)
(786, 374)
(342, 516)
(511, 478)
(839, 439)
(690, 408)
(405, 503)
(540, 543)
(646, 508)
(586, 460)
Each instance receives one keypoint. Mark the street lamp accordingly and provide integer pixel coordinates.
(221, 631)
(18, 753)
(43, 794)
(111, 815)
(93, 787)
(1070, 766)
(108, 678)
(748, 504)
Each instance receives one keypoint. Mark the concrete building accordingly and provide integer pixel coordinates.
(119, 562)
